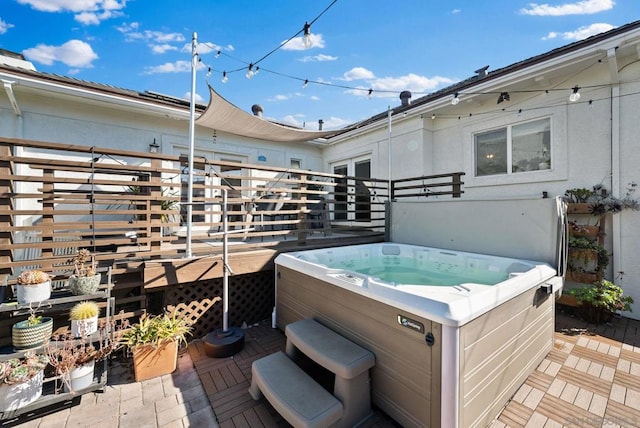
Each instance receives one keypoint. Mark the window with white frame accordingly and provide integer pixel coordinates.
(513, 149)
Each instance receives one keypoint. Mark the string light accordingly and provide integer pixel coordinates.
(209, 72)
(455, 99)
(305, 84)
(306, 38)
(249, 71)
(218, 54)
(224, 77)
(370, 94)
(504, 96)
(575, 95)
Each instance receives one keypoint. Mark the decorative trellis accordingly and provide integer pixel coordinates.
(251, 299)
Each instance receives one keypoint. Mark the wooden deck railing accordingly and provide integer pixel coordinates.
(121, 204)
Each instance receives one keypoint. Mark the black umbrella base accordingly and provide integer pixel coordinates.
(221, 344)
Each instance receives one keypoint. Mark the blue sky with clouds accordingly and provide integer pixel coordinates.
(356, 45)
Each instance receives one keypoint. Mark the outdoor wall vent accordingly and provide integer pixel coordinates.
(256, 109)
(482, 72)
(405, 98)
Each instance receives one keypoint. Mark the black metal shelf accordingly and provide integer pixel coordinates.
(53, 397)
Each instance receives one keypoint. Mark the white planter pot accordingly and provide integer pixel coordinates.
(85, 327)
(33, 292)
(80, 377)
(13, 397)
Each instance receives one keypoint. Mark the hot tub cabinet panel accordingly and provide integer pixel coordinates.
(497, 352)
(446, 355)
(406, 384)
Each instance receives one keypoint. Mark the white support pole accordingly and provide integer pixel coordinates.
(225, 266)
(192, 118)
(389, 131)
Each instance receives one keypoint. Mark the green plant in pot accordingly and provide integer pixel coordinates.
(32, 332)
(85, 279)
(33, 286)
(84, 318)
(600, 301)
(154, 343)
(21, 380)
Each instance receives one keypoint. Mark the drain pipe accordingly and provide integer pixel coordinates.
(8, 87)
(616, 186)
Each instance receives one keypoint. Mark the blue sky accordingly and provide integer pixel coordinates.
(356, 45)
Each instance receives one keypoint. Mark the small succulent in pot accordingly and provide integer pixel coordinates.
(84, 318)
(85, 279)
(33, 277)
(17, 370)
(33, 286)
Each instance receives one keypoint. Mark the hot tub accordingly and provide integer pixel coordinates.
(454, 333)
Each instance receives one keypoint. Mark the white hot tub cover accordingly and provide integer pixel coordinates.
(223, 116)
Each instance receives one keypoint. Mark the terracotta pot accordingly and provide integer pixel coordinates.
(150, 362)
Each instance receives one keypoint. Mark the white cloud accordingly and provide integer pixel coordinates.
(87, 12)
(584, 7)
(197, 98)
(4, 26)
(160, 49)
(74, 53)
(581, 33)
(297, 44)
(357, 73)
(280, 97)
(388, 87)
(456, 11)
(319, 58)
(207, 47)
(172, 67)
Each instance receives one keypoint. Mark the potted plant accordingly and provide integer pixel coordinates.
(33, 286)
(600, 301)
(21, 381)
(84, 318)
(85, 279)
(74, 359)
(154, 342)
(32, 332)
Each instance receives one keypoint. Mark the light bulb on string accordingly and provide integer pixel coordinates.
(218, 54)
(305, 84)
(209, 72)
(455, 99)
(370, 94)
(224, 77)
(306, 38)
(575, 95)
(249, 71)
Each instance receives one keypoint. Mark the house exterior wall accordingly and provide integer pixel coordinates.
(591, 143)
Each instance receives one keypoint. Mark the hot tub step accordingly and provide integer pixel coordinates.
(293, 393)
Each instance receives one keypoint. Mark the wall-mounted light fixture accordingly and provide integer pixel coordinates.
(153, 147)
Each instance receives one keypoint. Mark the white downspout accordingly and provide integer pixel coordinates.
(616, 233)
(8, 88)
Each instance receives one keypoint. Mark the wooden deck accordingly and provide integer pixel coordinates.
(590, 378)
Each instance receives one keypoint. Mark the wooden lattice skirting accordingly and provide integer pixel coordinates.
(251, 299)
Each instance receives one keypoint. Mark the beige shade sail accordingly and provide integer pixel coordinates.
(221, 115)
